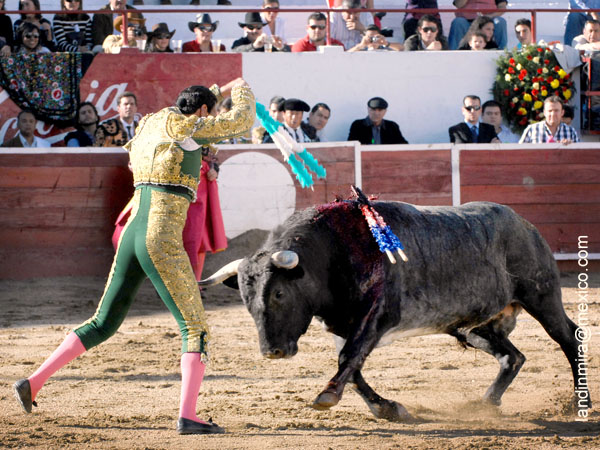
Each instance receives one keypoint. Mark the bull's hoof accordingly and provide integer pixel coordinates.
(492, 400)
(325, 400)
(390, 410)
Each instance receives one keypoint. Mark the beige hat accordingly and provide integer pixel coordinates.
(133, 18)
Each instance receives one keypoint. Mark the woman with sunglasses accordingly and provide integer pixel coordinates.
(429, 36)
(203, 28)
(28, 39)
(46, 36)
(73, 32)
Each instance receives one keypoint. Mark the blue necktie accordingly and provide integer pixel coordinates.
(474, 132)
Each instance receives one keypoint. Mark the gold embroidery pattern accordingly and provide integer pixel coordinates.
(166, 218)
(134, 210)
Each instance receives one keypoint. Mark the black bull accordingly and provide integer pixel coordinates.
(471, 270)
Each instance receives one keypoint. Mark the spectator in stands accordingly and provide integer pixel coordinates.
(589, 41)
(85, 128)
(135, 31)
(73, 32)
(29, 39)
(374, 129)
(429, 35)
(203, 28)
(317, 119)
(255, 39)
(102, 24)
(523, 32)
(348, 27)
(460, 25)
(294, 109)
(316, 34)
(276, 108)
(46, 37)
(411, 20)
(275, 24)
(476, 41)
(120, 130)
(492, 115)
(159, 39)
(551, 129)
(471, 131)
(575, 21)
(6, 31)
(373, 40)
(26, 123)
(569, 114)
(485, 25)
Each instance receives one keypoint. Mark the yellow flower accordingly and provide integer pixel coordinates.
(567, 94)
(545, 70)
(544, 92)
(562, 73)
(536, 86)
(519, 66)
(537, 104)
(507, 77)
(555, 83)
(522, 111)
(527, 97)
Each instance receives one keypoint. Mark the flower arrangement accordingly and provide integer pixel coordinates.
(524, 79)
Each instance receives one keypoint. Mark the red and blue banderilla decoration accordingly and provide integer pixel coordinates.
(384, 236)
(289, 148)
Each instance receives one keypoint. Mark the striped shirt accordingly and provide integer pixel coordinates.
(66, 35)
(348, 37)
(538, 133)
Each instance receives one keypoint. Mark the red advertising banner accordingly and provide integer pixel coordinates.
(155, 79)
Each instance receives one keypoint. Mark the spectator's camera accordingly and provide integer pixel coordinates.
(374, 38)
(137, 31)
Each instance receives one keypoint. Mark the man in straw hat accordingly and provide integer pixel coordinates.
(203, 28)
(160, 38)
(102, 24)
(165, 155)
(135, 31)
(254, 39)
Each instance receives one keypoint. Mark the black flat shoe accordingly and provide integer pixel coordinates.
(187, 426)
(22, 390)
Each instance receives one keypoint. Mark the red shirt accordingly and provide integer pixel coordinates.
(305, 45)
(194, 47)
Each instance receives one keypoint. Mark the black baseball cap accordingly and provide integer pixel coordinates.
(377, 103)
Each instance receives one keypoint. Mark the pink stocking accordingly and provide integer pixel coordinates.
(66, 352)
(192, 372)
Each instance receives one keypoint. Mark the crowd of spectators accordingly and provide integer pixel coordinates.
(266, 32)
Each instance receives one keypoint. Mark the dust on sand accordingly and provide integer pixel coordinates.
(124, 394)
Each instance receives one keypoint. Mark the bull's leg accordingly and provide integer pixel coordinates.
(491, 341)
(354, 353)
(549, 312)
(379, 406)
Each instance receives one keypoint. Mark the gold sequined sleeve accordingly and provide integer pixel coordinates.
(206, 130)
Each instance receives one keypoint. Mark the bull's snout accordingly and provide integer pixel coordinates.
(278, 353)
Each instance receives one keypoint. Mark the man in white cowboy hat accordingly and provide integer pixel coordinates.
(135, 31)
(160, 38)
(203, 28)
(254, 39)
(102, 24)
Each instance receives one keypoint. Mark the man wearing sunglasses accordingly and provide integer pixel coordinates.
(254, 39)
(429, 36)
(316, 34)
(471, 131)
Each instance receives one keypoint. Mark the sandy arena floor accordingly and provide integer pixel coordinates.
(124, 394)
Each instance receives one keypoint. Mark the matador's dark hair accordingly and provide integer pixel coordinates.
(192, 98)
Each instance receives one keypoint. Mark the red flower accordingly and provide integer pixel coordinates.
(521, 76)
(507, 92)
(556, 68)
(511, 70)
(546, 61)
(523, 121)
(511, 61)
(529, 57)
(516, 89)
(564, 88)
(556, 93)
(523, 72)
(512, 105)
(550, 79)
(534, 92)
(539, 71)
(541, 50)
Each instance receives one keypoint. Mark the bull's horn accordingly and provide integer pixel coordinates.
(222, 274)
(286, 259)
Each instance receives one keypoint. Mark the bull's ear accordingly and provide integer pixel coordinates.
(232, 282)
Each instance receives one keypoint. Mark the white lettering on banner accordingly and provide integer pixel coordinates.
(8, 124)
(103, 105)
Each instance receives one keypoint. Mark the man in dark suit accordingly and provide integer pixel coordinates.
(471, 131)
(374, 129)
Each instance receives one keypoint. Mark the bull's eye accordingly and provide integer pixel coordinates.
(278, 294)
